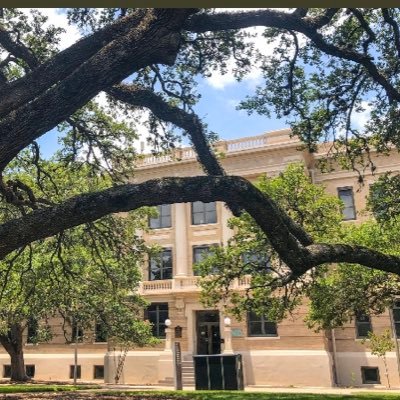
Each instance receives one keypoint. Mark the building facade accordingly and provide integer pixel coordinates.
(283, 354)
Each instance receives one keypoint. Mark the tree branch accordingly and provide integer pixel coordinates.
(155, 40)
(89, 207)
(18, 49)
(308, 27)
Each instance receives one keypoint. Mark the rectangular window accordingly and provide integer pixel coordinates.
(256, 260)
(100, 332)
(204, 213)
(157, 313)
(370, 375)
(30, 370)
(363, 325)
(98, 372)
(347, 197)
(259, 325)
(6, 371)
(76, 332)
(160, 266)
(71, 371)
(396, 317)
(33, 327)
(163, 220)
(200, 253)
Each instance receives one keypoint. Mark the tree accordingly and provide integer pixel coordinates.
(347, 59)
(87, 276)
(249, 251)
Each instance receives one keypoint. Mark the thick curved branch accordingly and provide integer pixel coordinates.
(155, 40)
(17, 49)
(89, 207)
(138, 96)
(62, 64)
(307, 26)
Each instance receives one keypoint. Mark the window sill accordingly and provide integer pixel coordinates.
(262, 337)
(203, 225)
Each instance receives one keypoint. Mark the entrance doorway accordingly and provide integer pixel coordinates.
(208, 333)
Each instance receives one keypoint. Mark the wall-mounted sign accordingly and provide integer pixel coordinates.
(237, 332)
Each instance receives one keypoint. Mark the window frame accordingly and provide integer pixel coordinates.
(367, 382)
(158, 327)
(203, 212)
(159, 219)
(396, 322)
(362, 323)
(98, 332)
(78, 371)
(96, 368)
(353, 206)
(263, 321)
(32, 329)
(159, 258)
(32, 367)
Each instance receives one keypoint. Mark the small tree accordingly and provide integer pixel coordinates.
(379, 346)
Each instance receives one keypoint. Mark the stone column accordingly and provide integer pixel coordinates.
(227, 340)
(226, 232)
(168, 339)
(181, 240)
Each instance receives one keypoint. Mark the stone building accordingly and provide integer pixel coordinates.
(282, 354)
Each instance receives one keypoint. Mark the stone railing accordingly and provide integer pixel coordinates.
(184, 284)
(226, 146)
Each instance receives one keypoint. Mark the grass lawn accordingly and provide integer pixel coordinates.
(237, 395)
(27, 388)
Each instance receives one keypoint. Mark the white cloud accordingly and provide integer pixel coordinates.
(58, 18)
(359, 119)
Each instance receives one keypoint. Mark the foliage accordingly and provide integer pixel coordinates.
(250, 253)
(380, 344)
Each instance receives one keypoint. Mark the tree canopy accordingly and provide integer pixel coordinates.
(327, 64)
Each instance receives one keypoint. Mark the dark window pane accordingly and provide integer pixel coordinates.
(71, 371)
(7, 371)
(370, 375)
(363, 325)
(100, 332)
(30, 370)
(33, 327)
(346, 195)
(160, 266)
(260, 325)
(163, 219)
(204, 213)
(98, 372)
(157, 313)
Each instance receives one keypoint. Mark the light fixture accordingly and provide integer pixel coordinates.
(168, 322)
(227, 321)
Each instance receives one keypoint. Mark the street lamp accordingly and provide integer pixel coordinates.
(227, 321)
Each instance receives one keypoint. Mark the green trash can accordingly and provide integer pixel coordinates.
(218, 372)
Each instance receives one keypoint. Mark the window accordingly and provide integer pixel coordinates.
(157, 313)
(396, 317)
(71, 371)
(349, 210)
(100, 332)
(363, 325)
(76, 331)
(160, 266)
(204, 213)
(6, 371)
(261, 261)
(33, 327)
(370, 375)
(259, 325)
(163, 220)
(98, 372)
(30, 370)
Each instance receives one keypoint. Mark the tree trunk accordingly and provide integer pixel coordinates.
(14, 347)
